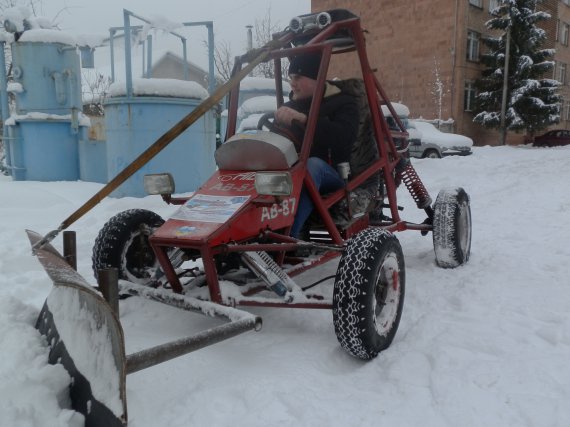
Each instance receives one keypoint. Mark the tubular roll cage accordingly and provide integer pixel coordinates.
(323, 41)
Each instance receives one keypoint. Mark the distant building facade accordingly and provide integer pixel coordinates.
(171, 66)
(426, 55)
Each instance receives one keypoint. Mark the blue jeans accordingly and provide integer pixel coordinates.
(326, 179)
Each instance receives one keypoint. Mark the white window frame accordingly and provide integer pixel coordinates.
(561, 68)
(564, 33)
(493, 4)
(469, 93)
(476, 3)
(473, 42)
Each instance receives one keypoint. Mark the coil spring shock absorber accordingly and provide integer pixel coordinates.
(415, 186)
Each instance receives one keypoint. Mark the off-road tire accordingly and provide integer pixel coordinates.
(368, 295)
(123, 244)
(452, 228)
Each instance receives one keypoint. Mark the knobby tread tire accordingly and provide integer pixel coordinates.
(452, 228)
(110, 245)
(354, 293)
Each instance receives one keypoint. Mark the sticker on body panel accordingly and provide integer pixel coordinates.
(285, 208)
(206, 208)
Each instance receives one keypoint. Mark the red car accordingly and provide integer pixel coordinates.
(553, 138)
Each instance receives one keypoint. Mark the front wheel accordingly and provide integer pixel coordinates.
(368, 295)
(123, 244)
(452, 228)
(431, 154)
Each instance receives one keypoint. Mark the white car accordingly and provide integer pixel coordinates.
(436, 144)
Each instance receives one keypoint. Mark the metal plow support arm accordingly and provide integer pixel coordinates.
(85, 335)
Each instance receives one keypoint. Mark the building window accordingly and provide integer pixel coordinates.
(560, 72)
(566, 111)
(473, 45)
(566, 2)
(493, 4)
(478, 3)
(564, 32)
(469, 96)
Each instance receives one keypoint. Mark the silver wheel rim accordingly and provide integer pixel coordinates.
(386, 295)
(464, 231)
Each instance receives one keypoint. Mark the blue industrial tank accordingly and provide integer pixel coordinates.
(134, 123)
(42, 135)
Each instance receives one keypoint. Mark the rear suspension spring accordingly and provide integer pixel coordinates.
(416, 187)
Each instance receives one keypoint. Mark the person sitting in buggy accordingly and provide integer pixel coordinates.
(340, 137)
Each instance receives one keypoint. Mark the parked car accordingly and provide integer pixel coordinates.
(403, 114)
(552, 138)
(436, 144)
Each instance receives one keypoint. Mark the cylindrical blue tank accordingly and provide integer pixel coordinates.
(49, 72)
(134, 123)
(44, 132)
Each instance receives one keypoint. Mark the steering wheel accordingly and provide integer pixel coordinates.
(268, 121)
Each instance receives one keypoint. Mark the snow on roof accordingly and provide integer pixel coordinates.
(400, 109)
(160, 87)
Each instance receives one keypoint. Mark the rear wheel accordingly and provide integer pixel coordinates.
(452, 228)
(368, 293)
(123, 244)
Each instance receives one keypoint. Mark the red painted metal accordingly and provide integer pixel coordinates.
(262, 223)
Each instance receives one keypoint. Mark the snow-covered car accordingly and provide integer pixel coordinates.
(435, 144)
(403, 114)
(250, 112)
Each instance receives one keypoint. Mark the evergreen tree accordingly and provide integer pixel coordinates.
(532, 100)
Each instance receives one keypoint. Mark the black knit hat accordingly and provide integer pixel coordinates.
(306, 65)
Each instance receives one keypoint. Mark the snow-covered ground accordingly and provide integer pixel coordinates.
(486, 344)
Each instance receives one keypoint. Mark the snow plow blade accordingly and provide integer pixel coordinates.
(85, 335)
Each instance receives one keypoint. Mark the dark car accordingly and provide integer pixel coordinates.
(552, 138)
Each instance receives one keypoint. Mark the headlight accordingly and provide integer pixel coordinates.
(159, 183)
(307, 22)
(273, 183)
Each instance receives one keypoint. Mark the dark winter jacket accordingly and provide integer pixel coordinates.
(337, 124)
(364, 148)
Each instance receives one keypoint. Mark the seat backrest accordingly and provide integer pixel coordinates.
(364, 150)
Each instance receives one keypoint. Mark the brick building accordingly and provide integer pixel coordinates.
(417, 47)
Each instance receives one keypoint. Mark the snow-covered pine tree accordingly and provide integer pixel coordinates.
(533, 102)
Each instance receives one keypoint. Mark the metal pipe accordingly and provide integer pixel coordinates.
(128, 70)
(149, 57)
(3, 86)
(211, 77)
(108, 280)
(70, 248)
(162, 353)
(112, 51)
(211, 73)
(185, 57)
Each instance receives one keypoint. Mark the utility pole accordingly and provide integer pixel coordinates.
(506, 81)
